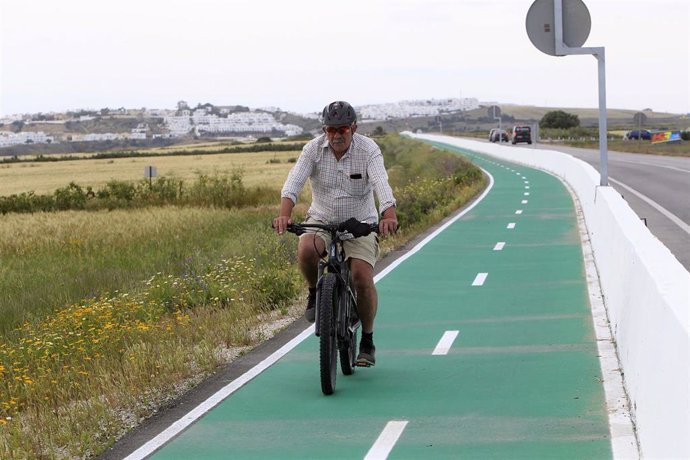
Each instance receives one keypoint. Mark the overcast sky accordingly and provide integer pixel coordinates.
(299, 55)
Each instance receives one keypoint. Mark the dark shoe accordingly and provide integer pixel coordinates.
(366, 356)
(310, 312)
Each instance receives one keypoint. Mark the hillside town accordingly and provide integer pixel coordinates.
(206, 120)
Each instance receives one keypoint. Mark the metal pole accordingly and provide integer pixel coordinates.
(603, 127)
(598, 52)
(558, 26)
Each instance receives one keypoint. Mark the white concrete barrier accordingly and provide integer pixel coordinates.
(646, 293)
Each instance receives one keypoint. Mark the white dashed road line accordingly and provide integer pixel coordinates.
(499, 246)
(479, 279)
(386, 440)
(443, 346)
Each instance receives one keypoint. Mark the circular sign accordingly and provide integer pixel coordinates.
(541, 30)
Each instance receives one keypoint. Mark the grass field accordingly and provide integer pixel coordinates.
(46, 177)
(91, 253)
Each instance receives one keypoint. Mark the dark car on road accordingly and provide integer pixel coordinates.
(522, 134)
(498, 135)
(639, 134)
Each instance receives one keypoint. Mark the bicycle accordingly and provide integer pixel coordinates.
(337, 321)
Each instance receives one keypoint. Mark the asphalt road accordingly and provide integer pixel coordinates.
(656, 187)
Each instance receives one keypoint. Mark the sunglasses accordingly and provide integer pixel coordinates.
(340, 130)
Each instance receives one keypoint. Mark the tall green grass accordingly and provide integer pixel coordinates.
(50, 260)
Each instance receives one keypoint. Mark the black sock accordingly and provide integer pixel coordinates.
(368, 337)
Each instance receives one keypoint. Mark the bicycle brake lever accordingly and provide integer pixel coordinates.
(296, 229)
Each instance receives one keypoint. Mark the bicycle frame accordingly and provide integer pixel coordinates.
(334, 261)
(336, 313)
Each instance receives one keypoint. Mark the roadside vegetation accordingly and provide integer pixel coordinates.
(563, 127)
(110, 311)
(588, 138)
(262, 145)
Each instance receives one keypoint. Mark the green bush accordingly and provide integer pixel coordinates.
(559, 119)
(223, 191)
(71, 197)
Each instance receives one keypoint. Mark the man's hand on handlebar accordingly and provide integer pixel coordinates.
(280, 224)
(388, 226)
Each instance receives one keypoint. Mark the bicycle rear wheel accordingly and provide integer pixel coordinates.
(328, 350)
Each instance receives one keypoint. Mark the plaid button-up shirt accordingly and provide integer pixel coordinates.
(345, 188)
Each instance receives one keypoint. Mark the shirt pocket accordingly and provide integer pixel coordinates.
(357, 184)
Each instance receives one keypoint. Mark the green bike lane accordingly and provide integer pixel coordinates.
(518, 376)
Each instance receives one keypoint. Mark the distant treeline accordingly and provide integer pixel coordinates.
(20, 150)
(253, 148)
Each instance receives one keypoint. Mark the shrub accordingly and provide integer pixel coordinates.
(70, 197)
(559, 119)
(225, 191)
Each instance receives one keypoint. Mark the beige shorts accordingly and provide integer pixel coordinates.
(365, 248)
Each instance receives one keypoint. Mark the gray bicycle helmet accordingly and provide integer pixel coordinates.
(338, 113)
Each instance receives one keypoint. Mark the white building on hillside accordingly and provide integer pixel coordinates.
(239, 122)
(8, 138)
(416, 108)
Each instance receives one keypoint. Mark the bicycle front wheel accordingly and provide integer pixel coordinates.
(348, 344)
(328, 350)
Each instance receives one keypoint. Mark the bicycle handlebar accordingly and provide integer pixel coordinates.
(352, 226)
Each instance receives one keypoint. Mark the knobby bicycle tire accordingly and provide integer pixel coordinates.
(348, 346)
(328, 351)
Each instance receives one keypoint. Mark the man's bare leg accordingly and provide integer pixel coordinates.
(367, 298)
(308, 250)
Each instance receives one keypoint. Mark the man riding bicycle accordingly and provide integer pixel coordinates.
(345, 169)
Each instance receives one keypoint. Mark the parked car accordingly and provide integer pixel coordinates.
(637, 134)
(498, 135)
(522, 134)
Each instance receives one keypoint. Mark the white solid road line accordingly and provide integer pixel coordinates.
(386, 440)
(646, 163)
(173, 430)
(672, 217)
(423, 243)
(443, 346)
